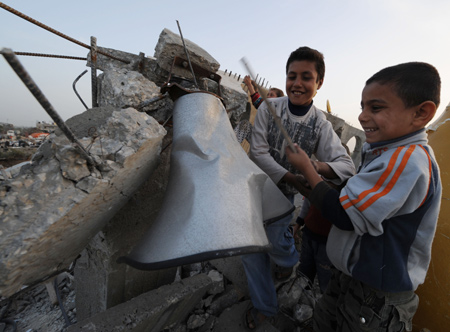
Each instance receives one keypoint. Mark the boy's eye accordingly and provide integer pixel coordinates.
(291, 77)
(372, 108)
(375, 108)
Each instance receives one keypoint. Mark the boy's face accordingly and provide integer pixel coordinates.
(272, 94)
(384, 115)
(301, 82)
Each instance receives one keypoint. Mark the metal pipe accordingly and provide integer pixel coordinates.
(94, 71)
(187, 55)
(74, 89)
(11, 58)
(46, 27)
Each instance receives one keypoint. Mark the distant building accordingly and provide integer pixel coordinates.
(11, 134)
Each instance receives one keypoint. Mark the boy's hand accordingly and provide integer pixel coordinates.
(302, 185)
(299, 159)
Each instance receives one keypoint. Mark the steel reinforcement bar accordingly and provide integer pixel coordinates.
(46, 27)
(51, 56)
(11, 58)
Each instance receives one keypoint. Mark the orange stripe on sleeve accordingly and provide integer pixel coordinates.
(392, 182)
(378, 184)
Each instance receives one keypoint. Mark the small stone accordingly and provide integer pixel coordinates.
(195, 321)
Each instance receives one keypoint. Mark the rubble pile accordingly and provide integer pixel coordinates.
(61, 211)
(57, 203)
(220, 309)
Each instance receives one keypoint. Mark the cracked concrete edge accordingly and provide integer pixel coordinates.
(151, 311)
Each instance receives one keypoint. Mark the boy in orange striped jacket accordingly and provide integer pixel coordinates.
(384, 219)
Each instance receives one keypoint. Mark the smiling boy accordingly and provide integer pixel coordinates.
(308, 127)
(385, 217)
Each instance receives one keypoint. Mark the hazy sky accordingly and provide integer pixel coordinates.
(357, 38)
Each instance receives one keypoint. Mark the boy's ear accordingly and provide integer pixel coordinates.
(320, 84)
(424, 113)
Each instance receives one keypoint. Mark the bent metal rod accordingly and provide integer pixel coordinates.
(11, 58)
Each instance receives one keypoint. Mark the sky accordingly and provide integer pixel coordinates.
(357, 38)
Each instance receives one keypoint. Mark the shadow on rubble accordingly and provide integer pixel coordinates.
(224, 312)
(205, 297)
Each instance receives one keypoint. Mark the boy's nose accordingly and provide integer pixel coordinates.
(298, 82)
(362, 116)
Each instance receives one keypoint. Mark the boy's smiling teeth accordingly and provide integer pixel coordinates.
(369, 129)
(297, 92)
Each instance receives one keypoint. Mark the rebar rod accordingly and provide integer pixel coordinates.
(74, 88)
(51, 56)
(46, 27)
(187, 55)
(94, 71)
(11, 58)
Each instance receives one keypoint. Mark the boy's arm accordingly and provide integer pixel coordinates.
(259, 147)
(301, 161)
(336, 165)
(394, 184)
(325, 198)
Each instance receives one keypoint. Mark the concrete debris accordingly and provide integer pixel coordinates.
(59, 213)
(217, 279)
(303, 312)
(152, 311)
(57, 203)
(186, 305)
(170, 45)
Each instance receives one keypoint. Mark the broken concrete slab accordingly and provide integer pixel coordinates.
(46, 218)
(152, 311)
(234, 96)
(170, 45)
(123, 88)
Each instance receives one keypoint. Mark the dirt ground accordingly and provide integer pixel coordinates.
(13, 156)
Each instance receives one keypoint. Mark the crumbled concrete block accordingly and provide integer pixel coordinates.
(152, 311)
(46, 225)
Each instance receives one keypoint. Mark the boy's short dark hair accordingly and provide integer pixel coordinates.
(308, 54)
(414, 82)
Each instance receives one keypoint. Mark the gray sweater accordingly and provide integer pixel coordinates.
(312, 132)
